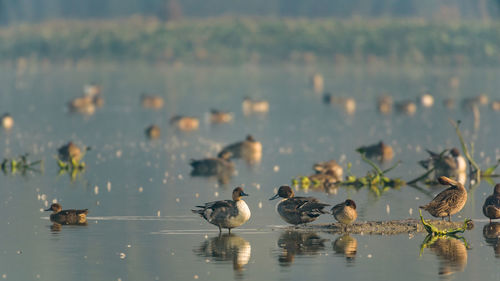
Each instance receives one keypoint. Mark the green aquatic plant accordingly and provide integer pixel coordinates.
(376, 179)
(433, 230)
(21, 164)
(74, 165)
(473, 166)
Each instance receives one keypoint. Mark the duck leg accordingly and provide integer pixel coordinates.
(220, 230)
(229, 230)
(449, 218)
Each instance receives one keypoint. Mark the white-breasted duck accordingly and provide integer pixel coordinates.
(226, 213)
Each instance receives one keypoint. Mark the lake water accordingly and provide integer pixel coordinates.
(140, 192)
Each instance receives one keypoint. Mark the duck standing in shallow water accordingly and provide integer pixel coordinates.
(449, 202)
(345, 212)
(379, 151)
(491, 207)
(226, 213)
(249, 149)
(71, 216)
(297, 210)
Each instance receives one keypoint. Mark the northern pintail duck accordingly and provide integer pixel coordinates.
(254, 106)
(152, 102)
(347, 104)
(297, 210)
(379, 151)
(426, 100)
(218, 117)
(449, 202)
(249, 149)
(406, 107)
(448, 163)
(226, 213)
(7, 121)
(213, 166)
(69, 151)
(185, 123)
(491, 206)
(84, 105)
(153, 132)
(71, 216)
(331, 167)
(345, 212)
(384, 104)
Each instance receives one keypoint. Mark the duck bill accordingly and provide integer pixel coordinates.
(243, 194)
(49, 209)
(274, 197)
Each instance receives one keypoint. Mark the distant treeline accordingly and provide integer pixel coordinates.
(236, 40)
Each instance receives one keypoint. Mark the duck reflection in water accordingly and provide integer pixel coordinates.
(227, 248)
(491, 233)
(347, 246)
(450, 250)
(299, 243)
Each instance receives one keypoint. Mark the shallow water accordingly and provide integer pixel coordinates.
(140, 193)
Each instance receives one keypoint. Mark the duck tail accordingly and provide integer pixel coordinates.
(423, 207)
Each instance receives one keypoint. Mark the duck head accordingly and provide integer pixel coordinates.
(497, 189)
(455, 152)
(56, 207)
(250, 138)
(284, 192)
(238, 193)
(350, 203)
(447, 181)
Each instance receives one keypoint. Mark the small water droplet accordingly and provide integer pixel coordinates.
(96, 190)
(177, 200)
(158, 213)
(141, 189)
(108, 186)
(197, 195)
(276, 168)
(196, 277)
(119, 153)
(369, 256)
(216, 194)
(387, 209)
(260, 205)
(122, 256)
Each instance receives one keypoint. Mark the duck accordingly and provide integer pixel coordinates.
(329, 167)
(248, 149)
(345, 212)
(447, 163)
(185, 123)
(153, 132)
(406, 107)
(218, 117)
(254, 106)
(449, 202)
(151, 101)
(71, 216)
(7, 121)
(379, 151)
(83, 105)
(491, 206)
(93, 91)
(226, 213)
(213, 166)
(297, 210)
(69, 151)
(347, 104)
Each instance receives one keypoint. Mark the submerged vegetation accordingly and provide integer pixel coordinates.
(237, 40)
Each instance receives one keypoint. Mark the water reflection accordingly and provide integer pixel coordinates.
(491, 233)
(347, 246)
(451, 252)
(299, 243)
(227, 248)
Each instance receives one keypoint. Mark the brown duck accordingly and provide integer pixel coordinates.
(61, 216)
(491, 207)
(449, 201)
(345, 212)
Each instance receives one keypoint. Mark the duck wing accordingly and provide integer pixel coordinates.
(443, 202)
(309, 205)
(217, 210)
(492, 200)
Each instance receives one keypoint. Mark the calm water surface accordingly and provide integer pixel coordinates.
(140, 193)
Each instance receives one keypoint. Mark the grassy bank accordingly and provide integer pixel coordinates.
(231, 40)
